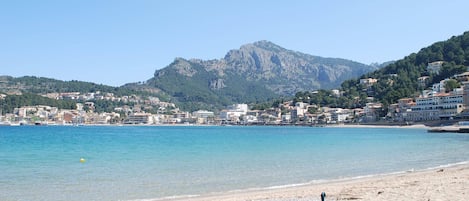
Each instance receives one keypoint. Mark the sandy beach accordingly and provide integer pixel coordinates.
(416, 126)
(448, 183)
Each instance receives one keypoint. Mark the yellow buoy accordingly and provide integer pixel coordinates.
(82, 160)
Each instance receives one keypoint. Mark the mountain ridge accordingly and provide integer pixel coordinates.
(262, 67)
(255, 72)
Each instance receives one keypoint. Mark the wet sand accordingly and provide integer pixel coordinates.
(448, 183)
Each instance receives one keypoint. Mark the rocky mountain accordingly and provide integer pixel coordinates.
(286, 72)
(254, 72)
(382, 65)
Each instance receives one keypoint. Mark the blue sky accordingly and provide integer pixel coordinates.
(117, 42)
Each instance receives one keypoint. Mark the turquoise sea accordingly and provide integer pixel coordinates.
(133, 163)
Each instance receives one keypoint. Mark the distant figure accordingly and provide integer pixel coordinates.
(323, 196)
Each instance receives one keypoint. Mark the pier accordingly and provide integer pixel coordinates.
(449, 129)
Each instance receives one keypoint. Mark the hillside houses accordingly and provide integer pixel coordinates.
(434, 104)
(368, 82)
(434, 67)
(444, 100)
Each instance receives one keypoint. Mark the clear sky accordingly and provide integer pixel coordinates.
(117, 42)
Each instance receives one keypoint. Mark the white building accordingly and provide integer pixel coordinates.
(286, 118)
(301, 105)
(250, 119)
(368, 81)
(239, 108)
(230, 115)
(372, 111)
(340, 115)
(234, 112)
(437, 106)
(202, 114)
(335, 92)
(434, 67)
(439, 87)
(139, 118)
(298, 112)
(463, 77)
(423, 80)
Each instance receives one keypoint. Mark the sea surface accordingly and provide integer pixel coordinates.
(151, 162)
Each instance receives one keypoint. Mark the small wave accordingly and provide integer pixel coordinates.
(167, 198)
(312, 182)
(449, 165)
(269, 187)
(323, 181)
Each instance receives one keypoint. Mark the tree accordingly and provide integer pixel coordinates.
(9, 103)
(451, 84)
(312, 110)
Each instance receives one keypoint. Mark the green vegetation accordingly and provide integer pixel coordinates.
(399, 79)
(15, 101)
(255, 73)
(451, 84)
(193, 92)
(193, 85)
(108, 106)
(32, 84)
(448, 70)
(327, 98)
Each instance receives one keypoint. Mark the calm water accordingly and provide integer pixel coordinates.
(128, 163)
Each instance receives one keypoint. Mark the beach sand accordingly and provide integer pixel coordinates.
(449, 183)
(417, 126)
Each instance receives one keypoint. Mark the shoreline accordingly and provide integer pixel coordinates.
(418, 126)
(445, 182)
(414, 126)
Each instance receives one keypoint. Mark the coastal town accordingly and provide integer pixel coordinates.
(234, 100)
(433, 104)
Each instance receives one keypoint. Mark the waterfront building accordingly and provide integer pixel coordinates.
(139, 118)
(298, 112)
(372, 111)
(234, 112)
(203, 114)
(437, 106)
(340, 115)
(286, 118)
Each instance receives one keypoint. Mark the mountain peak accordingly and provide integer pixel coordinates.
(262, 44)
(256, 71)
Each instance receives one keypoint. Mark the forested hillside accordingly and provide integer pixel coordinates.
(10, 102)
(201, 89)
(253, 73)
(261, 71)
(399, 79)
(27, 91)
(32, 84)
